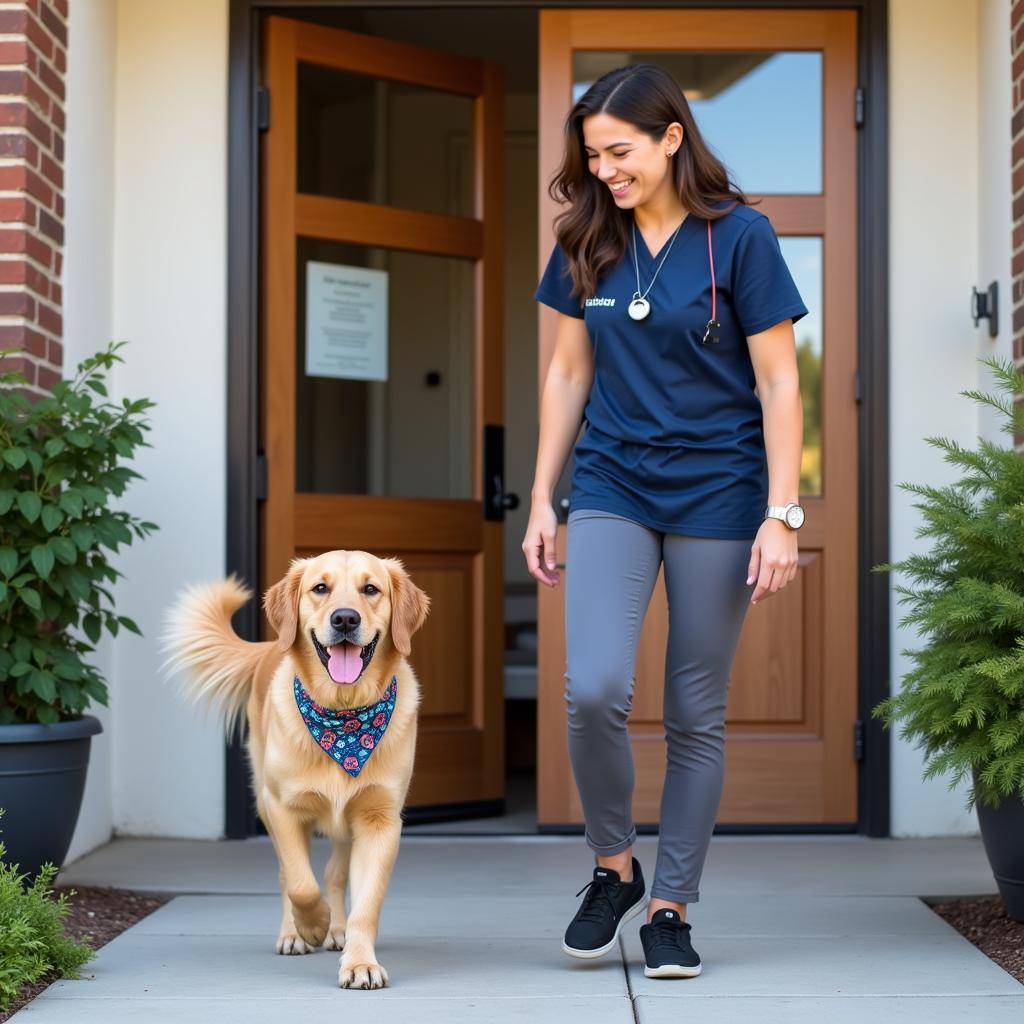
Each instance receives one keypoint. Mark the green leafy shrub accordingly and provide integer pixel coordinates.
(964, 700)
(59, 465)
(32, 938)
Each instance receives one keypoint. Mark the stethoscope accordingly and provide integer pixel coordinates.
(639, 307)
(712, 327)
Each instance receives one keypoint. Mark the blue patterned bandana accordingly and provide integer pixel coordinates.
(348, 737)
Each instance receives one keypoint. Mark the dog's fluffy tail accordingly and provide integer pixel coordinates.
(215, 664)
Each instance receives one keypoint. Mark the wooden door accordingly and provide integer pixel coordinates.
(792, 704)
(381, 354)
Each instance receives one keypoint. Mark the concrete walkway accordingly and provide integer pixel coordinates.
(790, 929)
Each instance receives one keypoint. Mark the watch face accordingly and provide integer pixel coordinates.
(795, 516)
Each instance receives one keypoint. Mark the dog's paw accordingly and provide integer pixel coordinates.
(362, 976)
(312, 924)
(335, 937)
(289, 944)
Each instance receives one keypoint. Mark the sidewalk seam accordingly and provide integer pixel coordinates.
(629, 986)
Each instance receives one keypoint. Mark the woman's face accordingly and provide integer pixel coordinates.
(629, 163)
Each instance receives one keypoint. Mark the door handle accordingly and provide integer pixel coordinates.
(496, 499)
(507, 499)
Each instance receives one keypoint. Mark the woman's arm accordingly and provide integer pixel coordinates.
(773, 355)
(774, 553)
(566, 389)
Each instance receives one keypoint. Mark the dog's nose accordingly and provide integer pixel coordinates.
(345, 618)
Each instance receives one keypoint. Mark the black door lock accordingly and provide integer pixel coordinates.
(496, 500)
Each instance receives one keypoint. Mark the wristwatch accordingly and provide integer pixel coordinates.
(792, 514)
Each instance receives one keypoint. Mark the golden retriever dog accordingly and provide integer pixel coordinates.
(315, 700)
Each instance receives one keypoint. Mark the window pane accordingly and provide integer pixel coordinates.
(378, 141)
(409, 435)
(760, 112)
(803, 257)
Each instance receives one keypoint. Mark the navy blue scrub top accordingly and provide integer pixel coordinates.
(674, 433)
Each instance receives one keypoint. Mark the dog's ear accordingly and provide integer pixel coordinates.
(409, 606)
(281, 603)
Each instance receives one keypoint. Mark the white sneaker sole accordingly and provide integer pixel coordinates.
(672, 971)
(590, 954)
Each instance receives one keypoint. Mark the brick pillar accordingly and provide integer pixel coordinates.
(33, 62)
(1017, 188)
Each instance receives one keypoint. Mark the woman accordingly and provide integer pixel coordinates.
(674, 302)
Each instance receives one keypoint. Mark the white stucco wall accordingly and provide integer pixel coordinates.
(88, 299)
(995, 199)
(146, 261)
(170, 271)
(950, 229)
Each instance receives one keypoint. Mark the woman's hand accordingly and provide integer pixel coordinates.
(539, 542)
(773, 559)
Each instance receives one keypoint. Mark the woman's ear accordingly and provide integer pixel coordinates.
(409, 606)
(674, 136)
(281, 603)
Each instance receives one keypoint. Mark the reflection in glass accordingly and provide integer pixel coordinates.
(760, 112)
(378, 141)
(410, 435)
(803, 257)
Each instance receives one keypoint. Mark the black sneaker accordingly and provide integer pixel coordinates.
(609, 903)
(667, 949)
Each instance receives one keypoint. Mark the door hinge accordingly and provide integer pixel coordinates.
(856, 386)
(261, 477)
(858, 740)
(263, 108)
(858, 106)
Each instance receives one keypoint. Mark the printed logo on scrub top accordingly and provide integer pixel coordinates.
(600, 302)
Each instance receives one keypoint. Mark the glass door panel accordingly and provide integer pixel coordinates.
(378, 141)
(803, 256)
(761, 111)
(408, 431)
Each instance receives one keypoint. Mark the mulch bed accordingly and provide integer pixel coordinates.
(96, 916)
(983, 921)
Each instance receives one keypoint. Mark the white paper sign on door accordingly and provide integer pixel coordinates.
(346, 322)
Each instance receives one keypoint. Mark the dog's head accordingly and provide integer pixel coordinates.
(345, 616)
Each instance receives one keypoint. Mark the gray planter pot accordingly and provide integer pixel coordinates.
(42, 777)
(1002, 832)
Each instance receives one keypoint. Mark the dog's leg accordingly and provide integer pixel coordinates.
(376, 832)
(288, 941)
(335, 877)
(291, 837)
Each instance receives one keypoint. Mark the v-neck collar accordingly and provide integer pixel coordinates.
(646, 253)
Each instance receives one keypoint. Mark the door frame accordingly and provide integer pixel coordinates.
(244, 476)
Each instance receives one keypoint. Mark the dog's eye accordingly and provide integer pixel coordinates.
(370, 589)
(321, 588)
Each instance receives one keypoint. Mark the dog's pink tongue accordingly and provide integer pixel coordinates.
(345, 664)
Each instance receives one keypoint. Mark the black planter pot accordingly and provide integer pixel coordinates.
(42, 777)
(1002, 833)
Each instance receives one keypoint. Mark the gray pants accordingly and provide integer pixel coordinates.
(611, 567)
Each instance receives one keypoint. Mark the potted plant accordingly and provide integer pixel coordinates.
(964, 699)
(60, 458)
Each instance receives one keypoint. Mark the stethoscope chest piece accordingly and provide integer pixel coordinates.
(639, 308)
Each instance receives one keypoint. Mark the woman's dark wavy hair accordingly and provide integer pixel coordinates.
(593, 231)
